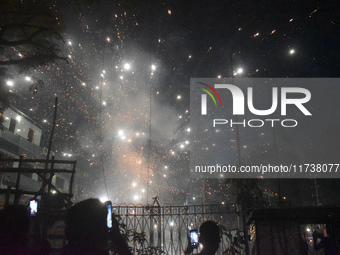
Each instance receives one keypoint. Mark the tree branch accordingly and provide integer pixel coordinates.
(38, 59)
(24, 41)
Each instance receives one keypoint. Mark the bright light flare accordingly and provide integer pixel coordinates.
(10, 83)
(127, 66)
(239, 71)
(103, 199)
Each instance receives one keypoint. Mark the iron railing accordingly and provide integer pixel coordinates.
(166, 227)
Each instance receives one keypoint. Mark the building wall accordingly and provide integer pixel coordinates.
(15, 141)
(22, 127)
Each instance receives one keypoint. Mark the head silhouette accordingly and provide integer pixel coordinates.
(86, 223)
(209, 234)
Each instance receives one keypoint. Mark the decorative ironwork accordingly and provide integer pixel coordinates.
(166, 227)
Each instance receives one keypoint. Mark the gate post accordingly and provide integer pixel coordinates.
(151, 227)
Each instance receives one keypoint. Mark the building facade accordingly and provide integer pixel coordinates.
(22, 137)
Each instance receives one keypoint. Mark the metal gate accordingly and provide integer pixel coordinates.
(165, 228)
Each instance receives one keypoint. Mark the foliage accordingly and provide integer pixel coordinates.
(248, 193)
(236, 241)
(30, 31)
(140, 243)
(29, 34)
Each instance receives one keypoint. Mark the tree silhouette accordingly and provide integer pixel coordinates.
(29, 35)
(30, 31)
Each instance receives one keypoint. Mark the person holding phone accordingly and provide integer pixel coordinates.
(209, 237)
(90, 227)
(86, 228)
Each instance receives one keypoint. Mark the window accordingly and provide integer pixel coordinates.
(12, 125)
(30, 135)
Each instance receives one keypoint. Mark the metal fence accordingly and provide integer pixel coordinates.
(166, 227)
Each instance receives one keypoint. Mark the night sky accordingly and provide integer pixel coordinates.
(124, 96)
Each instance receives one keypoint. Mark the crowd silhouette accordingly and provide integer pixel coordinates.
(87, 233)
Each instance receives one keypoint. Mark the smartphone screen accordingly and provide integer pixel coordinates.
(33, 207)
(194, 238)
(109, 215)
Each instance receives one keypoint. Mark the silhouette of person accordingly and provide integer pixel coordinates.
(209, 237)
(87, 232)
(14, 230)
(323, 242)
(86, 229)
